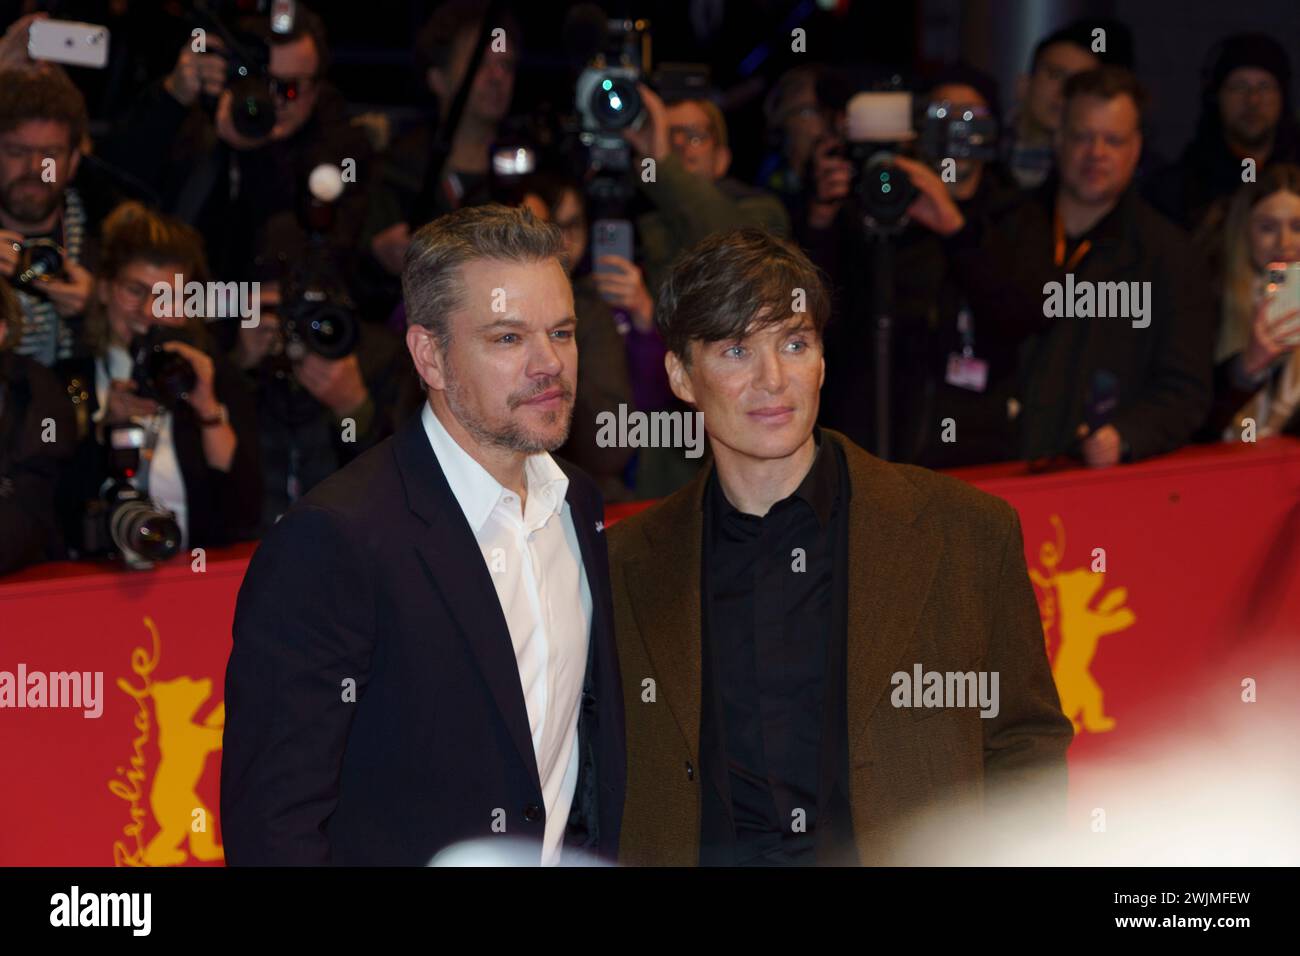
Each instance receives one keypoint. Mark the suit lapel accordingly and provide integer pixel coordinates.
(450, 551)
(892, 562)
(664, 584)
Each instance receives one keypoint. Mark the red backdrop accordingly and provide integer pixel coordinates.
(1196, 583)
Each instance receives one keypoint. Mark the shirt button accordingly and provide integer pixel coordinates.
(532, 813)
(690, 771)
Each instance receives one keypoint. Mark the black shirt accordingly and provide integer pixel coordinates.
(773, 733)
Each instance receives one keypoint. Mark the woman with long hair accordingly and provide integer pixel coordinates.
(1257, 362)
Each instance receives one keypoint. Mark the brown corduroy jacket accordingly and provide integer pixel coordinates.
(936, 577)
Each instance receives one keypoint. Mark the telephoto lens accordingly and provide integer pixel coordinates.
(141, 531)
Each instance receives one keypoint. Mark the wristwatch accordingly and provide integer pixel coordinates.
(221, 418)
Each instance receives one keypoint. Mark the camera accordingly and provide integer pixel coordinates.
(123, 520)
(39, 260)
(879, 125)
(252, 107)
(161, 375)
(616, 54)
(318, 315)
(248, 59)
(958, 131)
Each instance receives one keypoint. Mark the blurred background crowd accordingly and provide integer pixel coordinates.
(941, 163)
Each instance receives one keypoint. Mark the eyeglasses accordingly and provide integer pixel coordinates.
(288, 89)
(692, 135)
(131, 294)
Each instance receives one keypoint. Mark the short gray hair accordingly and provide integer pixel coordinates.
(431, 279)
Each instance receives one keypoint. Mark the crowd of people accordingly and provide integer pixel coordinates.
(176, 190)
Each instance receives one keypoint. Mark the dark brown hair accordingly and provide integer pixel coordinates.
(437, 38)
(45, 94)
(1106, 83)
(135, 233)
(722, 286)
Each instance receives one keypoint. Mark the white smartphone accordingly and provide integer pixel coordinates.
(66, 41)
(1283, 290)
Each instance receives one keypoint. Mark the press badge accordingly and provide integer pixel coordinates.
(967, 371)
(964, 369)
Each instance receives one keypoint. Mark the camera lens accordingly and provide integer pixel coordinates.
(885, 190)
(141, 530)
(171, 376)
(615, 103)
(252, 109)
(331, 331)
(37, 259)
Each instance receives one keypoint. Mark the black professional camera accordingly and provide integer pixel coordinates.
(252, 107)
(248, 58)
(958, 131)
(123, 520)
(165, 377)
(39, 260)
(879, 126)
(616, 54)
(317, 314)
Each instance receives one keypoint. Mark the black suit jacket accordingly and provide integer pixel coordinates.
(375, 577)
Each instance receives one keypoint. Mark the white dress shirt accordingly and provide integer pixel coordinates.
(536, 566)
(166, 484)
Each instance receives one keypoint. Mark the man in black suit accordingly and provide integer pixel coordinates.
(423, 645)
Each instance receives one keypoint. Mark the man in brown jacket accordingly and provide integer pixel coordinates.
(815, 644)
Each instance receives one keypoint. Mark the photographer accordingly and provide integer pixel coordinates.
(691, 195)
(315, 413)
(47, 224)
(37, 431)
(924, 304)
(190, 136)
(199, 455)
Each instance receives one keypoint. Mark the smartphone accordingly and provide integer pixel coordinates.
(610, 237)
(1283, 290)
(66, 41)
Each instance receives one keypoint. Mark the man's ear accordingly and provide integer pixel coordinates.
(74, 160)
(721, 161)
(679, 380)
(428, 358)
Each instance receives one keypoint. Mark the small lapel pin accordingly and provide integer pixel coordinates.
(600, 526)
